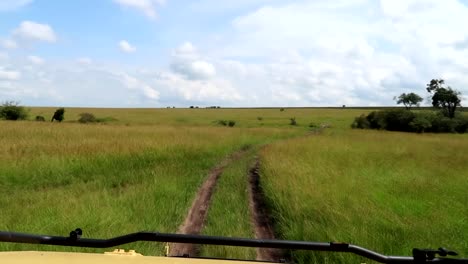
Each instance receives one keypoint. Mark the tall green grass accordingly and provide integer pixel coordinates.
(108, 180)
(388, 192)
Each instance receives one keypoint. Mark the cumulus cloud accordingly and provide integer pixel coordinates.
(368, 53)
(36, 60)
(9, 75)
(33, 31)
(126, 47)
(135, 84)
(147, 7)
(9, 5)
(187, 62)
(8, 44)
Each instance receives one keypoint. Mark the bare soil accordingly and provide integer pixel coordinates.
(197, 213)
(260, 217)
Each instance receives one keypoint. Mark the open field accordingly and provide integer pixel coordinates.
(270, 117)
(386, 191)
(108, 179)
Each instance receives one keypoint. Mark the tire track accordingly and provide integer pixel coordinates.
(260, 217)
(197, 213)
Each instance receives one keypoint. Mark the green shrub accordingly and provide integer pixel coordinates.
(222, 122)
(420, 124)
(461, 124)
(292, 121)
(397, 120)
(231, 123)
(87, 118)
(13, 111)
(259, 118)
(408, 121)
(361, 122)
(40, 118)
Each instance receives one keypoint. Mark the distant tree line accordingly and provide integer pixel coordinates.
(445, 119)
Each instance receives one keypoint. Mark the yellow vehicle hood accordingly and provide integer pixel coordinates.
(44, 257)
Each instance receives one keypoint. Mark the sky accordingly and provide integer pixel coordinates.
(232, 53)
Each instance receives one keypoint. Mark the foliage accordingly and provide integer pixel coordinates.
(259, 118)
(40, 118)
(87, 118)
(11, 110)
(59, 115)
(444, 98)
(409, 100)
(407, 121)
(292, 121)
(229, 123)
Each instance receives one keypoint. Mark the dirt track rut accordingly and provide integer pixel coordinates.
(197, 213)
(260, 217)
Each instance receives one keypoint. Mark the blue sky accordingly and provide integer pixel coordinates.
(154, 53)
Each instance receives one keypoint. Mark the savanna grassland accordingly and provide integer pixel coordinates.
(389, 192)
(386, 191)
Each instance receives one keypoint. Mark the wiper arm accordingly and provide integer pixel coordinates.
(75, 240)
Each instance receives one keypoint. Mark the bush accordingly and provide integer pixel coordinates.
(40, 118)
(361, 122)
(461, 124)
(407, 121)
(281, 109)
(259, 118)
(397, 120)
(87, 118)
(59, 115)
(230, 123)
(420, 124)
(12, 111)
(292, 121)
(222, 122)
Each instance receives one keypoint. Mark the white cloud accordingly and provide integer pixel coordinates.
(29, 30)
(9, 75)
(206, 91)
(84, 61)
(187, 61)
(8, 44)
(135, 84)
(3, 56)
(126, 47)
(147, 7)
(36, 60)
(9, 5)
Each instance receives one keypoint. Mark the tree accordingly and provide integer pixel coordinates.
(59, 115)
(409, 100)
(11, 110)
(444, 98)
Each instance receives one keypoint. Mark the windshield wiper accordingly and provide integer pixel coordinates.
(75, 240)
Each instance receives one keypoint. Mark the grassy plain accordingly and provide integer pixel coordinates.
(108, 179)
(389, 192)
(386, 191)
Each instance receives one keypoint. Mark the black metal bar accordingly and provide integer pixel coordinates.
(208, 240)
